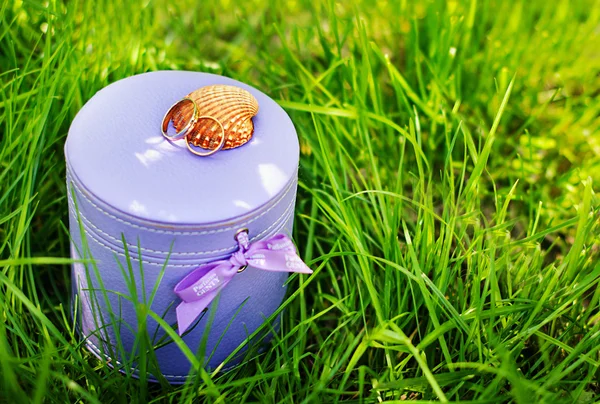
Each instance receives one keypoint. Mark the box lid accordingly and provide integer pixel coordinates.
(115, 150)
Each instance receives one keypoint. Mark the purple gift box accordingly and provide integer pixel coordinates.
(146, 213)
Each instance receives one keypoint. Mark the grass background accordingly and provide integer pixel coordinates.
(450, 153)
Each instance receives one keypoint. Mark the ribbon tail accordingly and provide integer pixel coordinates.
(276, 254)
(278, 261)
(303, 269)
(298, 266)
(187, 313)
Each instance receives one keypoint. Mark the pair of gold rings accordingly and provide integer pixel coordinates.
(189, 126)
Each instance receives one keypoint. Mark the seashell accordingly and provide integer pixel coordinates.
(232, 106)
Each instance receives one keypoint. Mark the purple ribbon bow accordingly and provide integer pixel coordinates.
(203, 284)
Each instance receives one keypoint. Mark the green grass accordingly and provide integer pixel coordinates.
(450, 153)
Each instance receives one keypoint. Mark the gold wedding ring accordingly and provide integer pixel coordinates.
(188, 126)
(210, 151)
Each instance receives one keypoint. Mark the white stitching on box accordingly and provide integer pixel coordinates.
(183, 233)
(286, 213)
(192, 254)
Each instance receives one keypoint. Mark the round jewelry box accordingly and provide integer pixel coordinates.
(145, 213)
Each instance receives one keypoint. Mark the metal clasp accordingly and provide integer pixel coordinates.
(241, 236)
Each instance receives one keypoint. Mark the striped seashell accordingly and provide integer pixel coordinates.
(232, 106)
